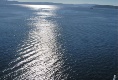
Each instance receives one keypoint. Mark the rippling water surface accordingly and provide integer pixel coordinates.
(57, 42)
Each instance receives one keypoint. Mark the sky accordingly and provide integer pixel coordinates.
(106, 2)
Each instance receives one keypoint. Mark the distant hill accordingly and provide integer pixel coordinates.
(105, 6)
(45, 3)
(3, 2)
(91, 6)
(86, 5)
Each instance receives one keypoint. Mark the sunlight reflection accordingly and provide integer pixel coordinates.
(45, 36)
(40, 56)
(37, 7)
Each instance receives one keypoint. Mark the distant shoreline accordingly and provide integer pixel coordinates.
(91, 6)
(105, 6)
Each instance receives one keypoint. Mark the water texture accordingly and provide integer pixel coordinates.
(57, 42)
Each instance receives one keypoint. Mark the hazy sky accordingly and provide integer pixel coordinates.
(111, 2)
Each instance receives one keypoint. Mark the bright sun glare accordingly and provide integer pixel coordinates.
(36, 7)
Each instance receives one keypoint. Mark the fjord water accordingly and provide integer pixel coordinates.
(57, 42)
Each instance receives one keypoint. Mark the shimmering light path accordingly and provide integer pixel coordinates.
(39, 57)
(58, 42)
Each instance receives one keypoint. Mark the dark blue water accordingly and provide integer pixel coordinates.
(58, 42)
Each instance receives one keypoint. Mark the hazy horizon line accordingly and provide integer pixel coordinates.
(56, 2)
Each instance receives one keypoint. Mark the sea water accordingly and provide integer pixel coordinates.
(58, 42)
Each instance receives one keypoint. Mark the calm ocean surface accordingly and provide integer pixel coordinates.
(58, 42)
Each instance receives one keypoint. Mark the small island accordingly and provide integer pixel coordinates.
(105, 6)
